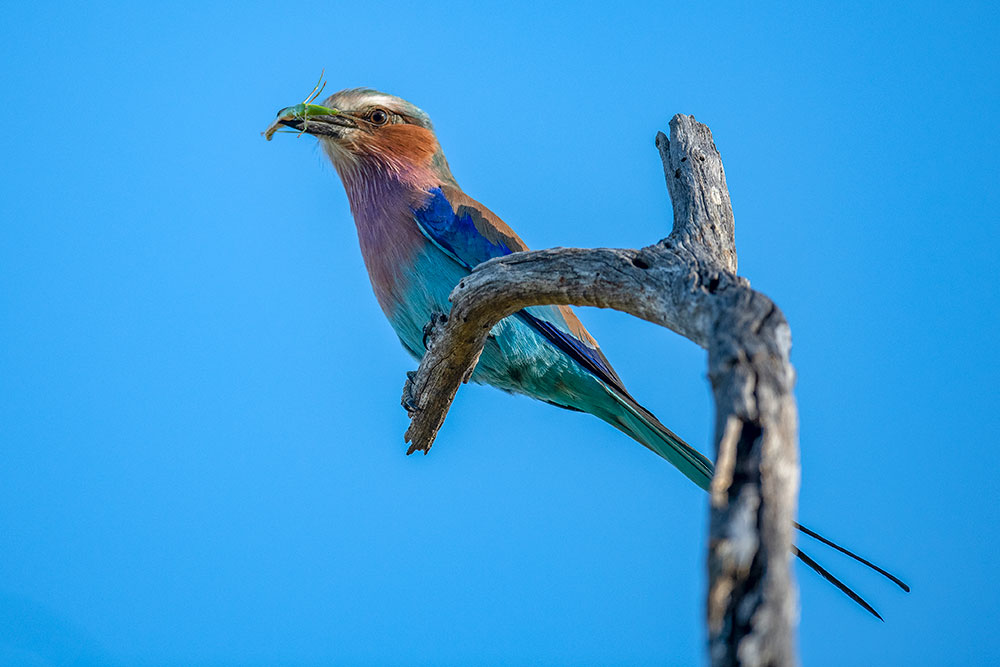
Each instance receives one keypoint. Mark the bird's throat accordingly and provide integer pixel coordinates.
(382, 200)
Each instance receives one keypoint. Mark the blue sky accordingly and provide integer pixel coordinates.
(199, 420)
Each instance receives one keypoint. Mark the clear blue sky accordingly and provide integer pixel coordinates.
(202, 456)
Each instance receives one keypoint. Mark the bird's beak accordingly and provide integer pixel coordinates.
(314, 119)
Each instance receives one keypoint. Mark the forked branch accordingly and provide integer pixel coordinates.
(687, 283)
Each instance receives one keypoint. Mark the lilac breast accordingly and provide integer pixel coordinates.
(389, 238)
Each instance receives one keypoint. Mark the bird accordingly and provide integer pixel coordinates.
(420, 234)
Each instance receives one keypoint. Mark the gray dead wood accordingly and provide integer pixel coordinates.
(687, 283)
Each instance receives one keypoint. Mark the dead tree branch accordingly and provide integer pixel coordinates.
(687, 283)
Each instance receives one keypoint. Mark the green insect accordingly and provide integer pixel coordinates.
(302, 111)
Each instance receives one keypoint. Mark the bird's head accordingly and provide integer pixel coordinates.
(366, 131)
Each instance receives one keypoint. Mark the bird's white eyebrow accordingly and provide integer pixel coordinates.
(386, 101)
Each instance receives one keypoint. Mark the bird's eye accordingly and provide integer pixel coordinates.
(378, 117)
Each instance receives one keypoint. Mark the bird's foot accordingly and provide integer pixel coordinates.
(409, 400)
(437, 319)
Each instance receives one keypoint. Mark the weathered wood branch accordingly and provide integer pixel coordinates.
(687, 283)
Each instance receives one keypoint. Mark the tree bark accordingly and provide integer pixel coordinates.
(687, 283)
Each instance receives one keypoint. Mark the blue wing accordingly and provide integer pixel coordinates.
(456, 233)
(471, 234)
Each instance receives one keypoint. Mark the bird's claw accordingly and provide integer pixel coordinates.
(408, 401)
(436, 319)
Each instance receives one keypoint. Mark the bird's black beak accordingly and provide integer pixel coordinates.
(312, 119)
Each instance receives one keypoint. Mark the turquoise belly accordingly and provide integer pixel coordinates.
(516, 358)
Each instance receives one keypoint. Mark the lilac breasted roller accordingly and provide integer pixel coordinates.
(420, 234)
